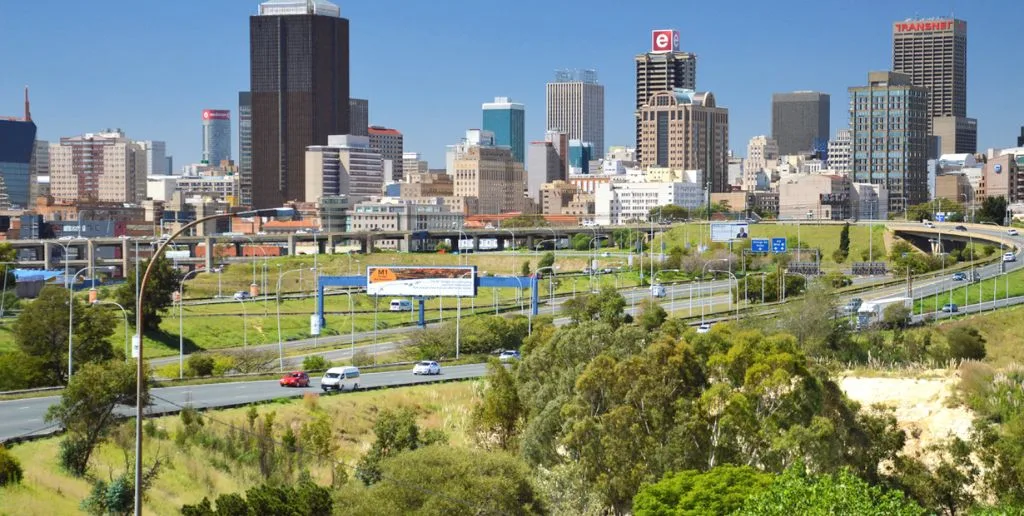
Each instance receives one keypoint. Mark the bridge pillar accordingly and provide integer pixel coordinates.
(90, 256)
(124, 257)
(407, 243)
(529, 242)
(210, 250)
(291, 245)
(501, 243)
(47, 255)
(476, 243)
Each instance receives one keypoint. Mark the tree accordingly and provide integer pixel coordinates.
(396, 431)
(524, 221)
(953, 209)
(10, 468)
(86, 409)
(993, 209)
(498, 416)
(720, 490)
(652, 315)
(810, 318)
(797, 492)
(547, 260)
(525, 269)
(607, 306)
(449, 481)
(581, 242)
(303, 498)
(443, 247)
(844, 239)
(162, 283)
(668, 213)
(896, 316)
(41, 332)
(966, 343)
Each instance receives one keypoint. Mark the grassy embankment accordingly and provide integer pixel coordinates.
(970, 293)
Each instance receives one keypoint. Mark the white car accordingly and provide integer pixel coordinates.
(426, 367)
(929, 225)
(1009, 257)
(704, 328)
(1012, 232)
(508, 355)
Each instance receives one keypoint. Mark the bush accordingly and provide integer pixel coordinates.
(10, 468)
(361, 358)
(839, 256)
(966, 343)
(223, 364)
(74, 455)
(199, 365)
(316, 363)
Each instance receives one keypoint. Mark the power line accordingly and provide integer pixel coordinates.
(301, 451)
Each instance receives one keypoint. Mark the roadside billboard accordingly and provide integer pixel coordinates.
(421, 281)
(729, 231)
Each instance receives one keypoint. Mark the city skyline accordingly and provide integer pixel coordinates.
(437, 111)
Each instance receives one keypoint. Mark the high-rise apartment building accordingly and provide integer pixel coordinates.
(840, 152)
(216, 136)
(359, 117)
(299, 52)
(507, 120)
(686, 130)
(760, 150)
(491, 175)
(543, 166)
(347, 166)
(889, 119)
(105, 167)
(389, 144)
(245, 148)
(800, 121)
(17, 140)
(664, 68)
(575, 106)
(933, 52)
(156, 157)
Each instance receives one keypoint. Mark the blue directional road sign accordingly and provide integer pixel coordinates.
(778, 245)
(759, 245)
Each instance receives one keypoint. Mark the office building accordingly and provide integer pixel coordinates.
(359, 116)
(840, 151)
(17, 141)
(105, 167)
(412, 165)
(575, 106)
(427, 184)
(664, 68)
(1020, 139)
(388, 143)
(347, 166)
(39, 170)
(299, 69)
(224, 188)
(933, 52)
(543, 166)
(684, 129)
(623, 202)
(1002, 177)
(800, 121)
(889, 119)
(245, 148)
(507, 120)
(760, 151)
(491, 175)
(816, 197)
(580, 155)
(156, 157)
(871, 202)
(401, 215)
(216, 136)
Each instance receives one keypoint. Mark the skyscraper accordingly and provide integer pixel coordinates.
(390, 144)
(17, 139)
(216, 136)
(245, 148)
(359, 117)
(663, 68)
(507, 120)
(800, 121)
(156, 157)
(575, 106)
(544, 165)
(889, 119)
(299, 53)
(1020, 139)
(933, 52)
(684, 129)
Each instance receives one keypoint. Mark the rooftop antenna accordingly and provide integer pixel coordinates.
(28, 113)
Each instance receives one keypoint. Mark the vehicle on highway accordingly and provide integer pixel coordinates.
(1009, 257)
(959, 276)
(658, 290)
(400, 305)
(704, 328)
(852, 305)
(1012, 232)
(426, 367)
(338, 378)
(242, 295)
(950, 308)
(961, 228)
(871, 312)
(295, 379)
(929, 224)
(606, 255)
(509, 355)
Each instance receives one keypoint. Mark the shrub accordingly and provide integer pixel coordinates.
(316, 363)
(74, 455)
(966, 343)
(199, 365)
(10, 468)
(361, 358)
(223, 364)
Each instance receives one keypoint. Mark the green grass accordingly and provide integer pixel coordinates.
(969, 293)
(1004, 342)
(191, 473)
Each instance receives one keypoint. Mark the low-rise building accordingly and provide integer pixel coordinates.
(427, 184)
(953, 187)
(871, 201)
(390, 214)
(815, 197)
(621, 202)
(221, 187)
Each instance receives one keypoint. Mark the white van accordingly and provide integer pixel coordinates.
(658, 290)
(401, 305)
(338, 378)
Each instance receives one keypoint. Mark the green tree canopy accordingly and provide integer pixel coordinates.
(499, 415)
(607, 306)
(163, 282)
(993, 209)
(721, 490)
(547, 260)
(668, 213)
(302, 498)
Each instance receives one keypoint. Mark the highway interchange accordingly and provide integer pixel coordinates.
(24, 417)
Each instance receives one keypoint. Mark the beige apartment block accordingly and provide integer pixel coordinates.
(492, 176)
(684, 129)
(103, 167)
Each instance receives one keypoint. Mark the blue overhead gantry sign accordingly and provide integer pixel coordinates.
(779, 245)
(759, 245)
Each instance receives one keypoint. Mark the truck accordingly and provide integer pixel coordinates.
(871, 312)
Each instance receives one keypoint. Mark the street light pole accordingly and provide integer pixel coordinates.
(123, 312)
(181, 326)
(280, 341)
(71, 317)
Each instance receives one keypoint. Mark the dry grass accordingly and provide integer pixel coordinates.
(192, 473)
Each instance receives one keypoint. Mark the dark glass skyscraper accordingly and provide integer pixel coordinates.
(245, 148)
(800, 121)
(299, 53)
(17, 141)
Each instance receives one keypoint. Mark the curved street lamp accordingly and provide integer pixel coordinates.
(139, 368)
(280, 342)
(181, 322)
(123, 312)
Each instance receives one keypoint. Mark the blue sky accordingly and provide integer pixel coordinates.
(150, 67)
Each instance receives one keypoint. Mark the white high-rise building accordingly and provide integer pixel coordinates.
(839, 149)
(347, 166)
(156, 157)
(575, 106)
(216, 136)
(760, 151)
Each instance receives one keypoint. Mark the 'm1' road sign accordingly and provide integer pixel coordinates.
(759, 245)
(778, 245)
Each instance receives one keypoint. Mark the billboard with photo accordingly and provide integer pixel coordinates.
(729, 231)
(421, 281)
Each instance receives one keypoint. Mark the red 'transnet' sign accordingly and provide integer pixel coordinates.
(664, 40)
(925, 26)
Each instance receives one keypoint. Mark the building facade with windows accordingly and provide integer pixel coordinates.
(346, 166)
(507, 120)
(684, 129)
(389, 143)
(575, 106)
(105, 167)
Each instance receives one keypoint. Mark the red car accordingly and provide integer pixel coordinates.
(295, 379)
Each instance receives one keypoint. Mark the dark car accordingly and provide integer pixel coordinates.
(959, 276)
(295, 379)
(961, 228)
(950, 308)
(853, 305)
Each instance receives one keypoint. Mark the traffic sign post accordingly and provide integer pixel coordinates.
(760, 245)
(779, 245)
